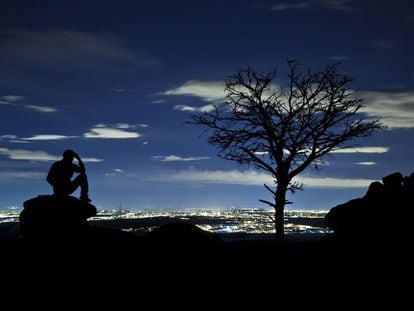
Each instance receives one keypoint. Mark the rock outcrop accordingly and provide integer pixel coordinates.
(50, 217)
(385, 211)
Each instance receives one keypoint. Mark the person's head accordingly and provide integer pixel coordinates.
(68, 155)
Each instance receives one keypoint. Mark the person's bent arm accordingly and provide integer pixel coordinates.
(82, 168)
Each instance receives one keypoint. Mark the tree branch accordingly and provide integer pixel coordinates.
(267, 202)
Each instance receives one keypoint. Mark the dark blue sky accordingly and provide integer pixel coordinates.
(117, 80)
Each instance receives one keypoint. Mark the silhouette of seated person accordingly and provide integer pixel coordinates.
(61, 173)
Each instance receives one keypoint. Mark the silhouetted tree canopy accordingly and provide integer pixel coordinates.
(285, 129)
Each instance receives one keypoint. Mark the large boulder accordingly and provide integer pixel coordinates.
(345, 219)
(50, 217)
(385, 212)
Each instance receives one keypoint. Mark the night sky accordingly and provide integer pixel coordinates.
(117, 81)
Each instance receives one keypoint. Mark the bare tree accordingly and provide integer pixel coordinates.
(284, 130)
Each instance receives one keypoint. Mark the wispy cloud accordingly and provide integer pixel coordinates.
(334, 183)
(363, 150)
(41, 108)
(333, 5)
(14, 100)
(206, 108)
(385, 44)
(251, 177)
(10, 175)
(115, 131)
(115, 172)
(19, 154)
(175, 158)
(395, 109)
(19, 141)
(210, 91)
(158, 101)
(118, 90)
(219, 177)
(8, 136)
(366, 163)
(37, 156)
(261, 153)
(123, 126)
(48, 137)
(60, 48)
(13, 139)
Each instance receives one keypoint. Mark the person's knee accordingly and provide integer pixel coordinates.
(82, 176)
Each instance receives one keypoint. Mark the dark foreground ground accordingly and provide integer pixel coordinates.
(123, 271)
(109, 249)
(227, 267)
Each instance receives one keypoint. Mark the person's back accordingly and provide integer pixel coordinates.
(60, 175)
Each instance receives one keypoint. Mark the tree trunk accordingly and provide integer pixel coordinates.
(280, 200)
